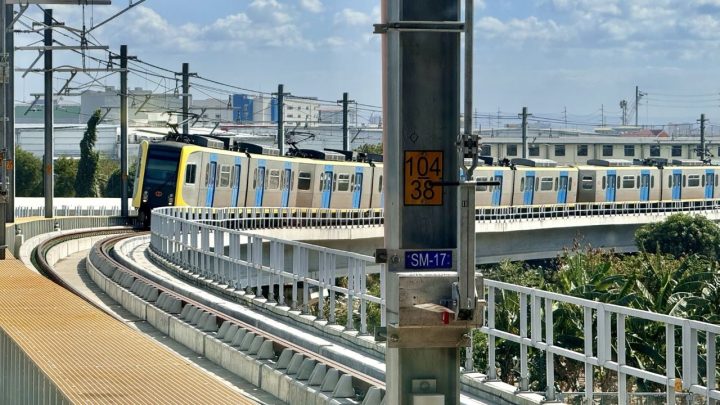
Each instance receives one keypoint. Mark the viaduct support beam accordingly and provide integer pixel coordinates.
(48, 163)
(421, 111)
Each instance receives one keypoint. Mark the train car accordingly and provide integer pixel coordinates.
(687, 180)
(157, 176)
(494, 196)
(543, 182)
(617, 180)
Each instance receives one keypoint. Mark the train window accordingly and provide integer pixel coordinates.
(380, 184)
(556, 183)
(537, 183)
(587, 182)
(546, 184)
(693, 180)
(343, 182)
(255, 178)
(716, 180)
(522, 184)
(335, 181)
(652, 182)
(304, 181)
(603, 183)
(190, 173)
(569, 183)
(684, 180)
(703, 180)
(618, 182)
(321, 183)
(224, 178)
(273, 180)
(207, 174)
(582, 150)
(628, 182)
(670, 181)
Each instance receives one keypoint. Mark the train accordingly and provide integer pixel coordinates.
(218, 172)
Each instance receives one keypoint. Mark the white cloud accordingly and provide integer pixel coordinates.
(261, 4)
(314, 6)
(352, 17)
(521, 30)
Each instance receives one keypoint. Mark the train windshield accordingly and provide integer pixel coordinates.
(162, 165)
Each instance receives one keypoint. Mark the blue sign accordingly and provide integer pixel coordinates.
(428, 259)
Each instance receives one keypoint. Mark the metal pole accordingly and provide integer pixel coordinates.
(6, 104)
(637, 103)
(469, 17)
(524, 133)
(124, 209)
(186, 97)
(49, 147)
(281, 119)
(702, 137)
(421, 110)
(10, 127)
(346, 139)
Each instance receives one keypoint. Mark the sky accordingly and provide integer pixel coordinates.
(579, 56)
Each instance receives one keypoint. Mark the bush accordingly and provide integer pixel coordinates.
(681, 235)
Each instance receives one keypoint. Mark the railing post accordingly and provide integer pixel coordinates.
(549, 357)
(351, 278)
(492, 371)
(295, 270)
(711, 367)
(524, 372)
(670, 363)
(331, 270)
(622, 377)
(588, 338)
(689, 355)
(322, 268)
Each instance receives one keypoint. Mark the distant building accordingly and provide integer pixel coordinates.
(35, 114)
(145, 107)
(301, 111)
(212, 111)
(242, 105)
(31, 138)
(334, 115)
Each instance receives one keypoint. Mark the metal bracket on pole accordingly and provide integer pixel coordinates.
(420, 26)
(23, 9)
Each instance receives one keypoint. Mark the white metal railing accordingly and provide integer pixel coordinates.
(71, 211)
(200, 241)
(539, 334)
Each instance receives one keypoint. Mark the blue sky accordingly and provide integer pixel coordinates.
(546, 54)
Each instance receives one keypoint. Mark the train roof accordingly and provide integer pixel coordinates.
(534, 162)
(610, 162)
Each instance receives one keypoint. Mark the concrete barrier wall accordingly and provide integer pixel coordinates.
(21, 381)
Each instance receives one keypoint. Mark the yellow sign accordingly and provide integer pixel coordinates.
(423, 172)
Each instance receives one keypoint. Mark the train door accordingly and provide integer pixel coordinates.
(562, 188)
(210, 178)
(676, 184)
(286, 184)
(611, 189)
(357, 188)
(529, 192)
(327, 186)
(236, 183)
(644, 185)
(709, 184)
(260, 183)
(497, 190)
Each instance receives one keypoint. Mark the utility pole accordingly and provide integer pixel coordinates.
(565, 115)
(623, 106)
(186, 97)
(421, 108)
(48, 161)
(638, 95)
(9, 134)
(5, 107)
(602, 114)
(346, 137)
(702, 153)
(524, 117)
(124, 209)
(281, 118)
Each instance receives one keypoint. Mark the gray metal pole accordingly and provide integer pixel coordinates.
(469, 19)
(6, 104)
(524, 133)
(346, 138)
(702, 137)
(281, 119)
(421, 110)
(637, 104)
(124, 209)
(186, 97)
(49, 147)
(10, 127)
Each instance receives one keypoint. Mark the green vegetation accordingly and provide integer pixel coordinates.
(86, 182)
(370, 148)
(29, 174)
(65, 173)
(680, 276)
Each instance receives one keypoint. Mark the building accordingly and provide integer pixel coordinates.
(301, 111)
(145, 107)
(334, 115)
(265, 110)
(212, 111)
(31, 138)
(35, 113)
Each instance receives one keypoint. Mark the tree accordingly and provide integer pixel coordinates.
(86, 182)
(28, 174)
(65, 174)
(114, 184)
(370, 148)
(681, 235)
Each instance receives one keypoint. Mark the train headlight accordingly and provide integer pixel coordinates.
(145, 196)
(171, 199)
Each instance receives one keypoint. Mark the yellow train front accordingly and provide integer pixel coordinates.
(207, 174)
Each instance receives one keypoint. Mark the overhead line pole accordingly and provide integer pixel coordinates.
(4, 108)
(124, 208)
(281, 118)
(186, 97)
(524, 117)
(346, 139)
(9, 134)
(702, 153)
(49, 147)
